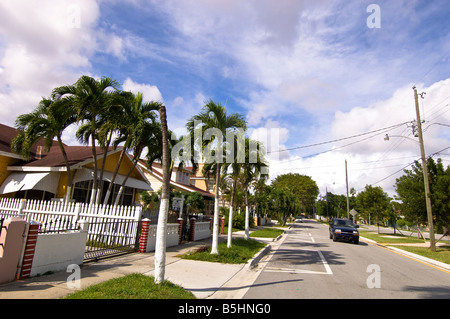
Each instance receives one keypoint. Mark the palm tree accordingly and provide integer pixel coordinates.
(232, 169)
(136, 121)
(91, 99)
(48, 121)
(149, 133)
(214, 121)
(251, 172)
(160, 247)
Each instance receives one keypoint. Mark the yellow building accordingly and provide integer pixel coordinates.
(181, 179)
(202, 182)
(45, 175)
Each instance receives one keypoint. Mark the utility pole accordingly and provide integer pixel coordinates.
(346, 182)
(425, 174)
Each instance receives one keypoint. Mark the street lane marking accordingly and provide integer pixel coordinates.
(303, 271)
(325, 264)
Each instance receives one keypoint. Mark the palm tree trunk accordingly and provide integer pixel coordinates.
(215, 239)
(161, 232)
(95, 183)
(230, 216)
(105, 156)
(119, 194)
(69, 175)
(247, 217)
(116, 170)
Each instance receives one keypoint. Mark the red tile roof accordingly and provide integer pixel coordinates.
(8, 133)
(190, 187)
(53, 158)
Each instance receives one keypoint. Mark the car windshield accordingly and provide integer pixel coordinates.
(342, 222)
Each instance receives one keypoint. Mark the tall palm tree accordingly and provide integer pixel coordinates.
(232, 169)
(252, 169)
(48, 121)
(149, 134)
(91, 99)
(214, 119)
(137, 119)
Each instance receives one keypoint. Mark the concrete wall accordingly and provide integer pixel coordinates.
(12, 240)
(54, 252)
(202, 230)
(171, 239)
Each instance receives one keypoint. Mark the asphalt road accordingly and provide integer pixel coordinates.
(307, 264)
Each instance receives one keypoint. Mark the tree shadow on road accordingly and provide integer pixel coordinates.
(306, 257)
(431, 292)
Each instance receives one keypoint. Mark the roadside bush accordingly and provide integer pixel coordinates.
(239, 221)
(401, 223)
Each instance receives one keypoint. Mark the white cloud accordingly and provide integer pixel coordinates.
(371, 159)
(149, 92)
(43, 45)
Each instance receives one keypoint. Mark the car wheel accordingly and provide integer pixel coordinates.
(356, 241)
(334, 237)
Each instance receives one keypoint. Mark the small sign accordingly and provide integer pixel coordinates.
(177, 203)
(353, 212)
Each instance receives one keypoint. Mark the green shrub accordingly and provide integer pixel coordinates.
(239, 221)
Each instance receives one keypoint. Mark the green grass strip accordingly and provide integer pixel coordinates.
(133, 286)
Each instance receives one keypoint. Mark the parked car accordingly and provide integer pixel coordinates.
(344, 229)
(299, 219)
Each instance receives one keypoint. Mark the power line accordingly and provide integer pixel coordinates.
(434, 154)
(340, 139)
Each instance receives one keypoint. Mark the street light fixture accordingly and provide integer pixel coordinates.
(387, 137)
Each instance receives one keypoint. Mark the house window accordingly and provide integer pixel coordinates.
(211, 186)
(126, 198)
(82, 191)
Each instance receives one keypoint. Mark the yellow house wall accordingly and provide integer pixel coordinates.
(62, 188)
(111, 163)
(110, 166)
(5, 161)
(201, 183)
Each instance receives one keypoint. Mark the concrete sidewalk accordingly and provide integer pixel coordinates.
(202, 278)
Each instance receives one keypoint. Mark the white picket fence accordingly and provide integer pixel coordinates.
(109, 225)
(47, 212)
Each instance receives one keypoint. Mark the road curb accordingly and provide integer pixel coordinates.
(252, 263)
(411, 255)
(419, 257)
(255, 260)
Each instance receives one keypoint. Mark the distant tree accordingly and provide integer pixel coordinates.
(373, 203)
(411, 193)
(302, 186)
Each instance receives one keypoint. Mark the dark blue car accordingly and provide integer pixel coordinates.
(344, 229)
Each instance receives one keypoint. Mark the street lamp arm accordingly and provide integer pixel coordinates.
(387, 137)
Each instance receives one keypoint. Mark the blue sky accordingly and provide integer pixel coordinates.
(305, 71)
